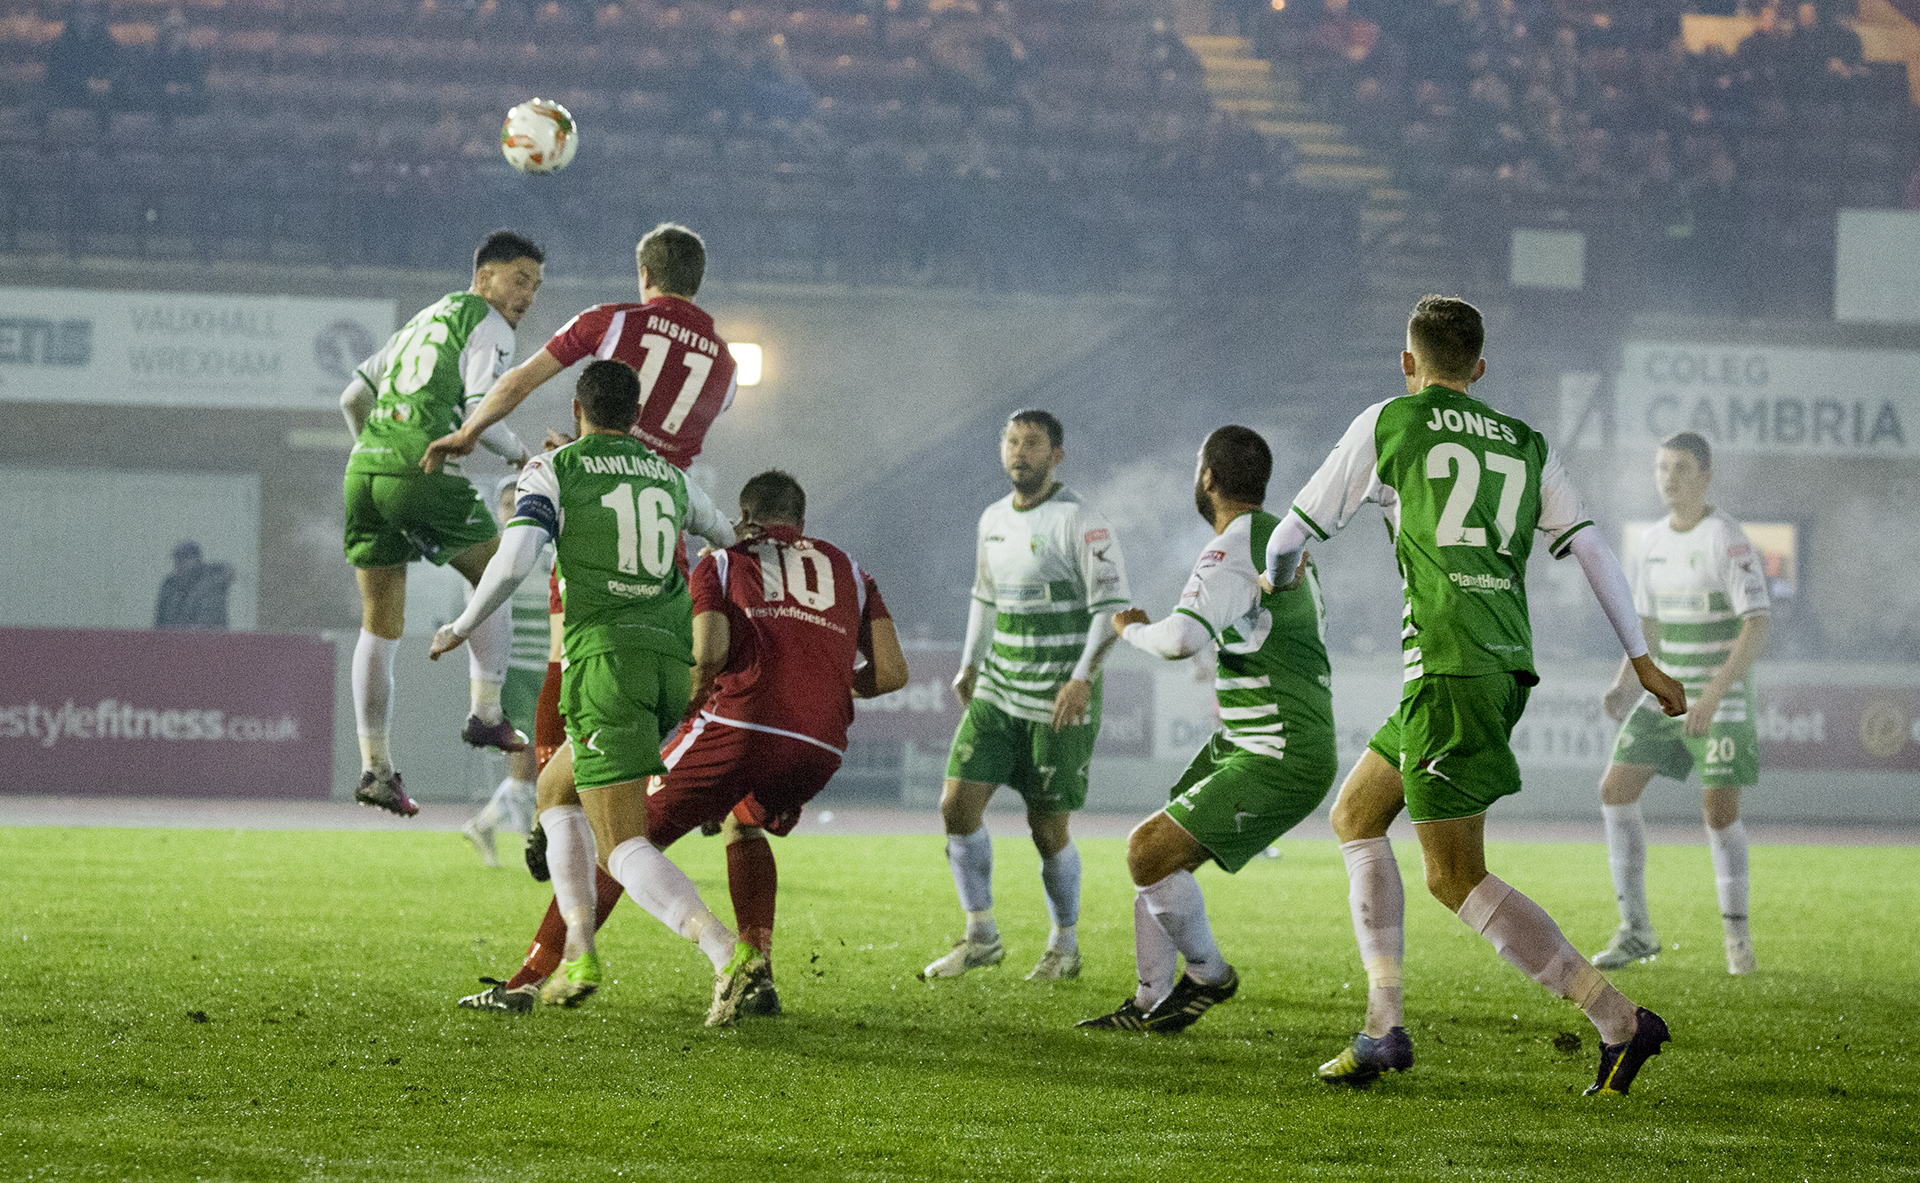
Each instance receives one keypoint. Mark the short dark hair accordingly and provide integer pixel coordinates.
(774, 496)
(1447, 333)
(1240, 462)
(675, 258)
(609, 394)
(1692, 443)
(504, 246)
(1056, 434)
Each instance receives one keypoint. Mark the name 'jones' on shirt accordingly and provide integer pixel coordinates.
(1452, 420)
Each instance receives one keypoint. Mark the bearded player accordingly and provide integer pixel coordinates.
(614, 511)
(787, 630)
(1702, 599)
(1270, 764)
(417, 387)
(1048, 578)
(1465, 489)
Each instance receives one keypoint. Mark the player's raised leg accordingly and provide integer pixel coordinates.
(963, 805)
(1626, 826)
(488, 649)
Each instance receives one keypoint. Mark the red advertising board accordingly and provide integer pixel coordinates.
(1840, 728)
(927, 713)
(179, 713)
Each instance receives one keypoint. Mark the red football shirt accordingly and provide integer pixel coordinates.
(686, 373)
(796, 612)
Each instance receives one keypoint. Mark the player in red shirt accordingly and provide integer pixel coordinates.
(787, 630)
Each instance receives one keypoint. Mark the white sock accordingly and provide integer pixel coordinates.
(1729, 848)
(1154, 957)
(1627, 857)
(1061, 877)
(485, 700)
(664, 890)
(1177, 904)
(1523, 933)
(971, 857)
(570, 859)
(373, 698)
(488, 648)
(1378, 902)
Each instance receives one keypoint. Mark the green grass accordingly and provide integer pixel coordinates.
(326, 965)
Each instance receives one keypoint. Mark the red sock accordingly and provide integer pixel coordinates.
(752, 880)
(550, 943)
(548, 731)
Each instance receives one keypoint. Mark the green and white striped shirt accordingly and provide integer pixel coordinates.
(1045, 571)
(1274, 681)
(1700, 585)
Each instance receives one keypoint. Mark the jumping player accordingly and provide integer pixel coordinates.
(1047, 581)
(1270, 764)
(1465, 488)
(413, 390)
(687, 375)
(614, 510)
(1702, 599)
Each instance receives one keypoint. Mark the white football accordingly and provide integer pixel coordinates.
(539, 136)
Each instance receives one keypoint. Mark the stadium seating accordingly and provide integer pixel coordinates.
(898, 141)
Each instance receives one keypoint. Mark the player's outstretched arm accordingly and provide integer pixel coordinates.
(1286, 555)
(705, 519)
(1609, 585)
(886, 668)
(519, 550)
(1176, 637)
(1619, 700)
(509, 392)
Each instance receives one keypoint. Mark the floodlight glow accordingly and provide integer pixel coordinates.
(746, 356)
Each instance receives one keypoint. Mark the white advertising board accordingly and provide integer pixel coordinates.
(183, 349)
(1762, 399)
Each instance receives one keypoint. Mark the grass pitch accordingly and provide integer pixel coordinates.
(268, 1006)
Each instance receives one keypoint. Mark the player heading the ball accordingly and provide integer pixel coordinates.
(1047, 579)
(1465, 489)
(415, 389)
(1702, 599)
(687, 374)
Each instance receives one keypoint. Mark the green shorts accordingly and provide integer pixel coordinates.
(394, 519)
(618, 708)
(1449, 739)
(1728, 755)
(1235, 802)
(520, 695)
(1046, 767)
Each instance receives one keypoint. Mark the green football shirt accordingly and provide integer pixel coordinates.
(1465, 488)
(424, 377)
(615, 511)
(1273, 681)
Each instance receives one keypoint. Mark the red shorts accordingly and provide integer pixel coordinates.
(763, 778)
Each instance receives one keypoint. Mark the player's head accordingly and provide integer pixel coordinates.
(186, 553)
(1444, 339)
(506, 273)
(773, 498)
(607, 396)
(1030, 449)
(673, 260)
(1682, 469)
(1235, 463)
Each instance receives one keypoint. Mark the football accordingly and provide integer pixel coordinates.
(539, 136)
